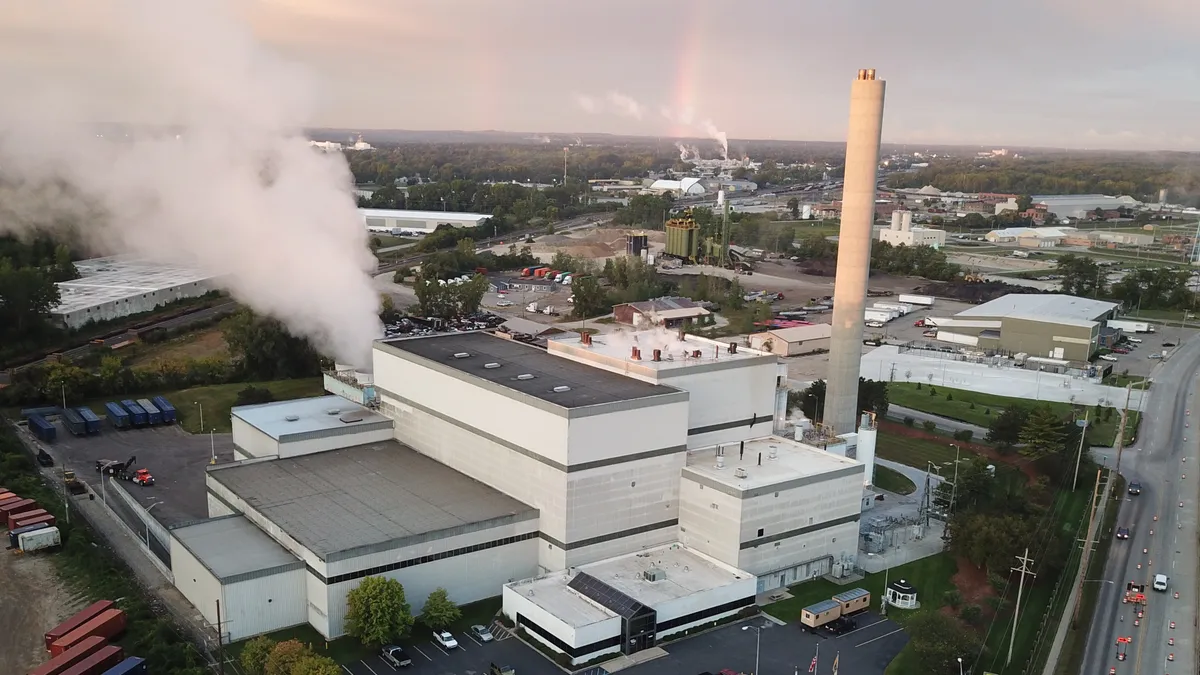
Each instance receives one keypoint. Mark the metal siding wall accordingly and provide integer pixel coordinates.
(265, 604)
(251, 440)
(627, 432)
(195, 582)
(713, 532)
(314, 445)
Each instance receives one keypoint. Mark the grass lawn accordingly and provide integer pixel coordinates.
(347, 649)
(217, 399)
(917, 452)
(386, 240)
(986, 405)
(201, 344)
(893, 481)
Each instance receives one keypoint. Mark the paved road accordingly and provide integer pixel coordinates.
(1167, 451)
(899, 412)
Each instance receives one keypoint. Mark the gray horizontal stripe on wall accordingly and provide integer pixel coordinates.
(719, 364)
(336, 431)
(222, 500)
(748, 422)
(803, 481)
(771, 539)
(583, 466)
(604, 538)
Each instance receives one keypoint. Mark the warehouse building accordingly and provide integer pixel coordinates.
(395, 221)
(1080, 207)
(665, 312)
(1030, 237)
(1055, 326)
(110, 288)
(305, 426)
(685, 187)
(794, 341)
(374, 510)
(626, 604)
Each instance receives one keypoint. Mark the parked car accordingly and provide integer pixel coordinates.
(395, 656)
(1122, 533)
(504, 303)
(445, 639)
(1107, 357)
(481, 633)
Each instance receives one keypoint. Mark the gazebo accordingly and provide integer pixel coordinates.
(901, 594)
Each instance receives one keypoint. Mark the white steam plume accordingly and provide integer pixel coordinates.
(625, 105)
(232, 188)
(587, 103)
(718, 136)
(686, 118)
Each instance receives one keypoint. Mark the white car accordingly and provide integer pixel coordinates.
(504, 303)
(873, 324)
(1107, 357)
(1160, 582)
(445, 639)
(1136, 341)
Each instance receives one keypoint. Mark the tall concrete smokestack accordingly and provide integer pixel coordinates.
(854, 252)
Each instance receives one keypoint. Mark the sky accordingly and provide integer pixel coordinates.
(1055, 73)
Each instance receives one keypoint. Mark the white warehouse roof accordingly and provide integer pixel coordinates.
(104, 280)
(686, 186)
(817, 331)
(1040, 232)
(232, 548)
(467, 219)
(1056, 308)
(311, 414)
(794, 463)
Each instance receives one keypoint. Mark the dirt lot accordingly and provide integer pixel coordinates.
(34, 600)
(208, 343)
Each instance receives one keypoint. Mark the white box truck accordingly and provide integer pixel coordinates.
(1131, 326)
(923, 300)
(899, 307)
(37, 540)
(878, 315)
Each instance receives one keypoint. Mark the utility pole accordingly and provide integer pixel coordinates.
(565, 151)
(1025, 561)
(220, 640)
(1085, 557)
(1121, 430)
(925, 497)
(1079, 455)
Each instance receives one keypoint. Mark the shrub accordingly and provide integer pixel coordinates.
(972, 614)
(972, 406)
(253, 395)
(987, 411)
(255, 655)
(918, 386)
(952, 597)
(929, 425)
(908, 421)
(949, 396)
(964, 435)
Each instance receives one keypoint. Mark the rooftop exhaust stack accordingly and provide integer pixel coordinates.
(896, 221)
(854, 251)
(905, 221)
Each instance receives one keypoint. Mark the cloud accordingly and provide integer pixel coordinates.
(587, 103)
(625, 105)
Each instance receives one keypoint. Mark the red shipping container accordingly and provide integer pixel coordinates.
(76, 620)
(47, 520)
(19, 506)
(9, 499)
(108, 625)
(14, 517)
(5, 495)
(74, 655)
(97, 663)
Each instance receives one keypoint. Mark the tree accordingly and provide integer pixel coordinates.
(793, 206)
(1024, 202)
(449, 299)
(1005, 428)
(285, 656)
(1081, 275)
(939, 641)
(315, 664)
(872, 396)
(1043, 433)
(590, 299)
(377, 611)
(439, 611)
(265, 350)
(26, 297)
(387, 309)
(255, 655)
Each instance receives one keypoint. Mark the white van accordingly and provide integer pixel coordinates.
(1160, 582)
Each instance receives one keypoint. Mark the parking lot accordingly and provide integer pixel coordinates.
(471, 657)
(175, 458)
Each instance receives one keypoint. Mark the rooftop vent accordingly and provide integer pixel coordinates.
(739, 472)
(462, 355)
(491, 365)
(525, 376)
(654, 574)
(561, 389)
(351, 417)
(333, 411)
(292, 418)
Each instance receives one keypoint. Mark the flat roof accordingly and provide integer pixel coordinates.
(586, 385)
(378, 496)
(232, 546)
(104, 280)
(404, 214)
(312, 414)
(616, 348)
(817, 331)
(1054, 308)
(687, 572)
(794, 461)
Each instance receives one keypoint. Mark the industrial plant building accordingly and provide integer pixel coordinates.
(1031, 237)
(1061, 327)
(902, 232)
(666, 312)
(110, 288)
(685, 187)
(1080, 207)
(794, 341)
(478, 462)
(417, 222)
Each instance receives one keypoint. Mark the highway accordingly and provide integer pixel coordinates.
(1165, 461)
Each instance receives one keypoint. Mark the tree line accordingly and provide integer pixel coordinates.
(1143, 287)
(922, 261)
(28, 273)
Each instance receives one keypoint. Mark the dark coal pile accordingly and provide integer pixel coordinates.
(975, 292)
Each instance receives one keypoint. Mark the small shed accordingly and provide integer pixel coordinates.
(794, 341)
(666, 312)
(854, 600)
(902, 594)
(821, 613)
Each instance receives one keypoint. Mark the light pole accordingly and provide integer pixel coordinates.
(954, 486)
(212, 444)
(757, 644)
(960, 670)
(148, 509)
(201, 405)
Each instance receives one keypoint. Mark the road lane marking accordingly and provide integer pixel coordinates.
(437, 647)
(347, 669)
(477, 642)
(369, 667)
(852, 632)
(387, 664)
(422, 653)
(898, 630)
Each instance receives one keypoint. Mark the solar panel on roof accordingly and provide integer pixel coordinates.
(608, 597)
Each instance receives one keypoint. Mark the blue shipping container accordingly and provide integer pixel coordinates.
(165, 407)
(117, 415)
(137, 414)
(74, 422)
(153, 416)
(29, 412)
(90, 420)
(41, 428)
(14, 534)
(130, 666)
